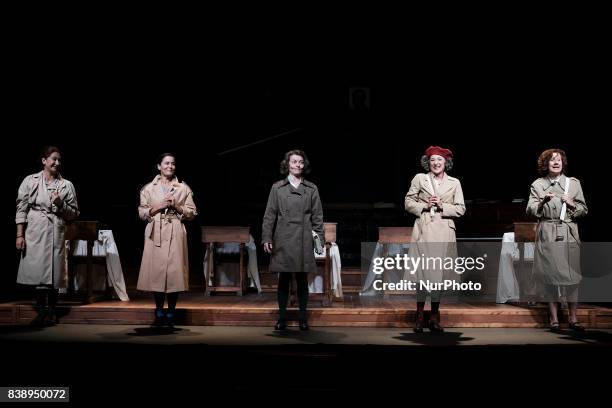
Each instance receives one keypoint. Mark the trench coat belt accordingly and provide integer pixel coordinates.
(556, 222)
(42, 210)
(158, 222)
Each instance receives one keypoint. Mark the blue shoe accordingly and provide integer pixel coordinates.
(160, 319)
(170, 320)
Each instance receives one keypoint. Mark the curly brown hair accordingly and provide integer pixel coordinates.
(284, 165)
(545, 157)
(448, 163)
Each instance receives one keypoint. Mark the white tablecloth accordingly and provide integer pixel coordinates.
(315, 281)
(391, 276)
(507, 283)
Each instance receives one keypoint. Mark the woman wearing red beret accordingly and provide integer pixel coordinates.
(435, 199)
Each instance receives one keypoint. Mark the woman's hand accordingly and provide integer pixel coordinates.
(20, 243)
(169, 200)
(548, 197)
(434, 200)
(158, 208)
(567, 200)
(267, 246)
(55, 199)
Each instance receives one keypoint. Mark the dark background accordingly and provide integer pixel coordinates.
(114, 101)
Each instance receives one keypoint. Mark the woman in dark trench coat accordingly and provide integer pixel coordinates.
(293, 212)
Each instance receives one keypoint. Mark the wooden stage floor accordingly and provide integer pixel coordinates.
(261, 310)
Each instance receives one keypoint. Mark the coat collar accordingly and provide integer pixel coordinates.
(547, 184)
(175, 181)
(61, 182)
(304, 183)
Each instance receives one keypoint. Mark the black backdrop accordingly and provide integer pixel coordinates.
(112, 106)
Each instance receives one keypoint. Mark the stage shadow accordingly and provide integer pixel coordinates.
(146, 332)
(314, 336)
(588, 337)
(434, 339)
(20, 328)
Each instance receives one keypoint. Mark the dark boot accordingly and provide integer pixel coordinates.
(170, 320)
(39, 320)
(304, 325)
(434, 323)
(419, 323)
(41, 308)
(51, 319)
(420, 317)
(160, 319)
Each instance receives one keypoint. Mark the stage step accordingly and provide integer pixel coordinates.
(261, 310)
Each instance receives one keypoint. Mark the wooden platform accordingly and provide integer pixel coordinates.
(261, 310)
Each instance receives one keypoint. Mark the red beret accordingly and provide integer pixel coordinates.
(440, 151)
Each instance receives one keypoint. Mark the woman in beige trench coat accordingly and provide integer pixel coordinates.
(293, 212)
(435, 199)
(165, 203)
(45, 201)
(556, 266)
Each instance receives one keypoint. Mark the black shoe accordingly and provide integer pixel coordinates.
(555, 328)
(418, 325)
(304, 325)
(435, 327)
(280, 325)
(39, 320)
(51, 318)
(577, 327)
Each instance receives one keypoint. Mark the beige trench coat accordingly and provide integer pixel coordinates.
(434, 236)
(557, 249)
(44, 260)
(165, 262)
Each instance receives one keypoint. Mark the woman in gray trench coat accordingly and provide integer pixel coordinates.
(45, 201)
(293, 211)
(557, 201)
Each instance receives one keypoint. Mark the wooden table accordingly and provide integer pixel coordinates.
(213, 235)
(81, 231)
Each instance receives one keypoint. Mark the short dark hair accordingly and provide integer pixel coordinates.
(284, 165)
(161, 157)
(48, 151)
(545, 157)
(448, 163)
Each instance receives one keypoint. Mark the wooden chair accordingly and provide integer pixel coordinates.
(329, 230)
(211, 236)
(393, 235)
(82, 231)
(525, 232)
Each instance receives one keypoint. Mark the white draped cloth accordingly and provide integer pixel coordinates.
(507, 282)
(315, 281)
(391, 276)
(106, 247)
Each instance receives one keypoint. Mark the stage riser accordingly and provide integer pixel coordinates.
(23, 314)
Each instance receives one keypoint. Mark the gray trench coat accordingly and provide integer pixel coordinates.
(291, 216)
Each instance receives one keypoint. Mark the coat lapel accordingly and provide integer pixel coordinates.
(445, 186)
(427, 184)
